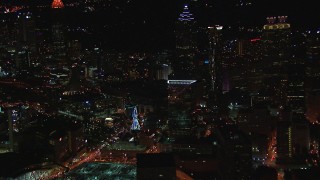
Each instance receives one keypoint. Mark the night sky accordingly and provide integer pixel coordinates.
(224, 11)
(149, 24)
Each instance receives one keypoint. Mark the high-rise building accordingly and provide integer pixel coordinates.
(26, 27)
(312, 76)
(313, 106)
(276, 38)
(74, 50)
(293, 137)
(26, 38)
(289, 70)
(180, 103)
(75, 81)
(22, 58)
(284, 142)
(185, 63)
(9, 125)
(277, 58)
(215, 64)
(59, 44)
(58, 34)
(185, 72)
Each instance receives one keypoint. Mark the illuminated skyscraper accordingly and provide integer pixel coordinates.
(26, 37)
(59, 44)
(215, 67)
(276, 42)
(57, 4)
(180, 100)
(276, 38)
(293, 137)
(58, 34)
(184, 65)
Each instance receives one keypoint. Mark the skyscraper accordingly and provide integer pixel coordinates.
(293, 137)
(215, 66)
(26, 30)
(58, 33)
(26, 37)
(184, 64)
(276, 38)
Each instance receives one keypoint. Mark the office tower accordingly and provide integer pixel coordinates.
(9, 124)
(277, 57)
(293, 137)
(312, 77)
(313, 106)
(296, 86)
(236, 152)
(75, 81)
(284, 142)
(59, 45)
(22, 58)
(287, 68)
(58, 34)
(181, 83)
(10, 121)
(26, 38)
(98, 59)
(184, 64)
(276, 38)
(183, 97)
(74, 50)
(215, 64)
(301, 138)
(4, 34)
(26, 28)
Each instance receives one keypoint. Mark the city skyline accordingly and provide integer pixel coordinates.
(140, 89)
(303, 12)
(149, 23)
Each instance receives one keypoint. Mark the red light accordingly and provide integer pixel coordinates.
(255, 39)
(57, 4)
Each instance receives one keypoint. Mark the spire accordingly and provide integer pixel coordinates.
(57, 4)
(185, 15)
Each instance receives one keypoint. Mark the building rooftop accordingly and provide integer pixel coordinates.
(155, 160)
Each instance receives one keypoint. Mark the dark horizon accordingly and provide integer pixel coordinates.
(219, 11)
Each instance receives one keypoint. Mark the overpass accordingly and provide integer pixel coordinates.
(68, 113)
